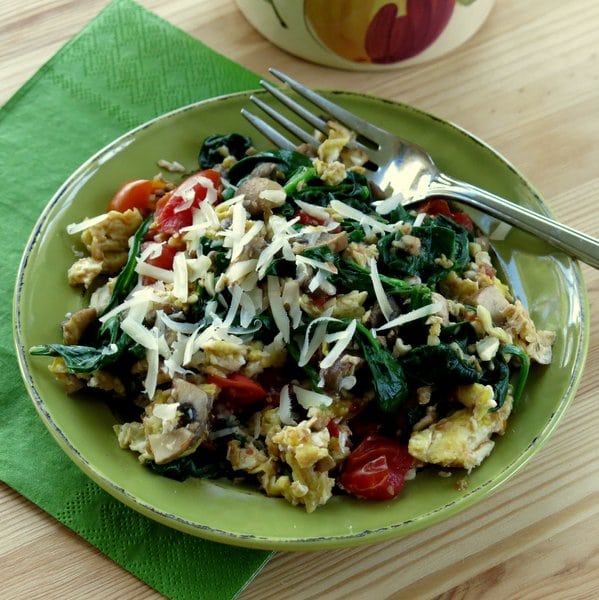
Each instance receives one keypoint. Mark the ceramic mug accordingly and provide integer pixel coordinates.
(366, 34)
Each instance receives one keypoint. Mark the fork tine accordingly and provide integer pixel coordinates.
(297, 108)
(342, 115)
(307, 116)
(297, 131)
(268, 131)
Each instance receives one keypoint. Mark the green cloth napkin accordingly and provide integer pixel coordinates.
(124, 68)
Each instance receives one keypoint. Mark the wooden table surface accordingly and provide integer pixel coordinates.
(527, 83)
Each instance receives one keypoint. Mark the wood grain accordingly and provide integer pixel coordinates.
(527, 83)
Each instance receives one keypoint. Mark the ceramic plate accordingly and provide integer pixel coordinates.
(548, 282)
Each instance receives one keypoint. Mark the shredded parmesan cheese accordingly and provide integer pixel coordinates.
(379, 291)
(276, 306)
(180, 281)
(309, 347)
(86, 224)
(418, 313)
(284, 411)
(309, 399)
(355, 215)
(384, 207)
(343, 340)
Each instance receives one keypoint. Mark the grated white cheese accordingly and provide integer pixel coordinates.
(197, 268)
(418, 313)
(310, 346)
(266, 258)
(140, 296)
(236, 293)
(73, 228)
(138, 333)
(317, 264)
(238, 271)
(151, 250)
(177, 326)
(277, 197)
(276, 306)
(291, 299)
(247, 310)
(148, 270)
(384, 207)
(166, 411)
(180, 280)
(247, 237)
(379, 291)
(419, 219)
(309, 399)
(343, 339)
(284, 410)
(314, 211)
(187, 192)
(355, 215)
(235, 233)
(151, 378)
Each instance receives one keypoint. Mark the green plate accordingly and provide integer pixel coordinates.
(548, 282)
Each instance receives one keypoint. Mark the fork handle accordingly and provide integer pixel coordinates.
(574, 243)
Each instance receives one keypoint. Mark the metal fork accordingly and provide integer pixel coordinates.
(409, 169)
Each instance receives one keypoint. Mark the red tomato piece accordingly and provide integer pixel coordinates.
(376, 468)
(438, 206)
(461, 218)
(175, 211)
(136, 194)
(435, 206)
(333, 428)
(165, 259)
(238, 389)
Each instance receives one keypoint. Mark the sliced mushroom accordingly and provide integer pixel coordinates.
(168, 446)
(188, 393)
(337, 242)
(265, 169)
(341, 375)
(261, 194)
(74, 326)
(192, 405)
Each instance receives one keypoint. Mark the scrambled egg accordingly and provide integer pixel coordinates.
(464, 438)
(108, 245)
(296, 461)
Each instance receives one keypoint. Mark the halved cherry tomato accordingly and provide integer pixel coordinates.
(376, 468)
(175, 211)
(438, 206)
(238, 389)
(136, 194)
(165, 259)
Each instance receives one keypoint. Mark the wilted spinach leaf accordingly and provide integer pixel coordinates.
(438, 365)
(210, 152)
(353, 191)
(388, 377)
(444, 247)
(288, 161)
